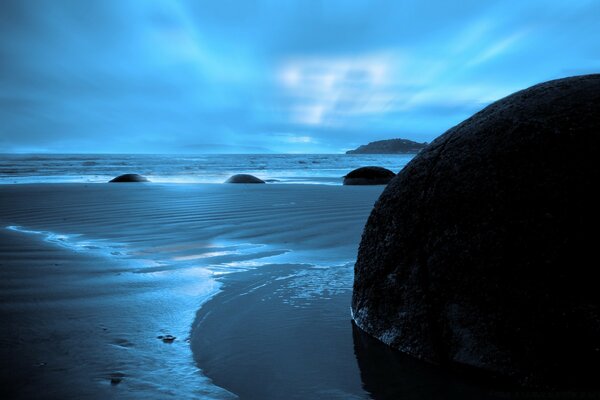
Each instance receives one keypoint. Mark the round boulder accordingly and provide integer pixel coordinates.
(369, 176)
(129, 178)
(481, 251)
(244, 178)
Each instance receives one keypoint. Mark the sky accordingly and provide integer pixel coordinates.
(277, 76)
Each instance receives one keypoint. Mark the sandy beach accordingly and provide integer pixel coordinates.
(254, 283)
(92, 275)
(299, 200)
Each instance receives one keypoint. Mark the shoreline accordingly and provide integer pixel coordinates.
(254, 282)
(82, 325)
(135, 262)
(326, 169)
(257, 339)
(262, 327)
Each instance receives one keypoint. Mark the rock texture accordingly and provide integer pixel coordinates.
(482, 251)
(129, 178)
(244, 178)
(369, 176)
(390, 146)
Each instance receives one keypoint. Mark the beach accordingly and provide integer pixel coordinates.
(268, 336)
(93, 274)
(252, 281)
(299, 200)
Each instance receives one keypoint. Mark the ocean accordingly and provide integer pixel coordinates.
(215, 168)
(254, 282)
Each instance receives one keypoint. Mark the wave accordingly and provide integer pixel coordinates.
(281, 168)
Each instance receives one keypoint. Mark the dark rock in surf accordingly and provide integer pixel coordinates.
(369, 176)
(479, 252)
(244, 178)
(129, 178)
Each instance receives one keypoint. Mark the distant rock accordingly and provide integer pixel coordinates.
(390, 146)
(480, 252)
(369, 176)
(244, 178)
(129, 178)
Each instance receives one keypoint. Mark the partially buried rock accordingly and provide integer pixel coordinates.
(129, 178)
(116, 378)
(369, 176)
(167, 338)
(479, 252)
(244, 178)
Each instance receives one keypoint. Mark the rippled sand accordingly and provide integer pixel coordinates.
(91, 275)
(252, 281)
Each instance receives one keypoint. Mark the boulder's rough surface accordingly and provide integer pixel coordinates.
(129, 178)
(483, 250)
(244, 178)
(369, 176)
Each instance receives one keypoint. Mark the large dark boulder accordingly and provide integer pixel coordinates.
(129, 178)
(369, 176)
(244, 178)
(483, 250)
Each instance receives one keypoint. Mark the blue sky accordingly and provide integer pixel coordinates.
(168, 76)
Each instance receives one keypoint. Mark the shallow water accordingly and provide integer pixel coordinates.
(285, 332)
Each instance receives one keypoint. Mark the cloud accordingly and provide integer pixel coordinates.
(300, 139)
(324, 90)
(193, 76)
(497, 48)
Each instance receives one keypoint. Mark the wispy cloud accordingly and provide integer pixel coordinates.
(165, 75)
(497, 48)
(322, 91)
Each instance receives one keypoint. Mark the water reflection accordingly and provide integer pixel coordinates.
(388, 374)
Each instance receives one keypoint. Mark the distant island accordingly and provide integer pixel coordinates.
(389, 146)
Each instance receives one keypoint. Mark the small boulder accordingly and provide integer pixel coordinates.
(116, 378)
(244, 178)
(369, 176)
(129, 178)
(167, 338)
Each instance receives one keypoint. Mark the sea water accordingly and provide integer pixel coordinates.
(214, 168)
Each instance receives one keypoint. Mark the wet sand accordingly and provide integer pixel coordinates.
(75, 325)
(262, 338)
(91, 275)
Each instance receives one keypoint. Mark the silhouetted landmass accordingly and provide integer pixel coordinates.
(478, 252)
(390, 146)
(369, 176)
